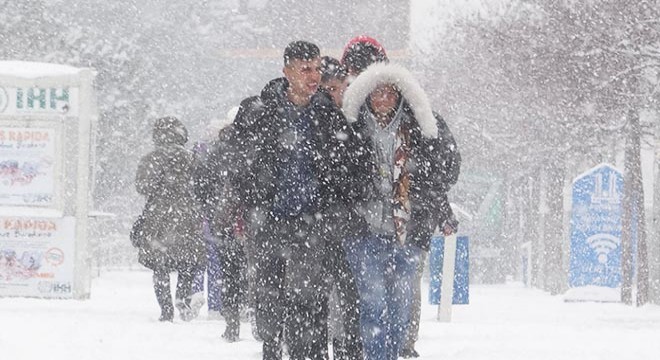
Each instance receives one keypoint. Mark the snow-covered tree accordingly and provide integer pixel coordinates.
(540, 91)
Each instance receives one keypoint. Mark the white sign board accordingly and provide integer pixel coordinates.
(27, 166)
(47, 117)
(37, 256)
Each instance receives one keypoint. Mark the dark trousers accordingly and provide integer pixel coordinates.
(348, 344)
(233, 267)
(416, 306)
(289, 295)
(161, 280)
(307, 332)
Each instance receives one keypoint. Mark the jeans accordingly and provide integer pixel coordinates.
(384, 272)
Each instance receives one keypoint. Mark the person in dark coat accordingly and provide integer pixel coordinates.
(171, 235)
(222, 209)
(278, 185)
(417, 161)
(344, 174)
(203, 150)
(300, 166)
(217, 188)
(360, 52)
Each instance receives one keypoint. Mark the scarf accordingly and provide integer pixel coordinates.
(401, 185)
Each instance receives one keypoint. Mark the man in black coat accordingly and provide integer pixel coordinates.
(286, 180)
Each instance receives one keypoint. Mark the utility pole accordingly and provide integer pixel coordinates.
(654, 248)
(639, 211)
(554, 281)
(627, 222)
(633, 221)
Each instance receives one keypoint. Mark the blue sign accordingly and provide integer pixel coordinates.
(461, 270)
(596, 228)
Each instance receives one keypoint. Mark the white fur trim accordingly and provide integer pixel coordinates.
(388, 73)
(216, 125)
(228, 120)
(231, 114)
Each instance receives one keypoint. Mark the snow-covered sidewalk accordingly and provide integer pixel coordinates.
(502, 322)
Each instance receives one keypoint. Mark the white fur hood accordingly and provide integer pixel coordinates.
(381, 73)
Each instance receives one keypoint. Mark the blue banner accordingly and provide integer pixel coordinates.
(595, 257)
(461, 270)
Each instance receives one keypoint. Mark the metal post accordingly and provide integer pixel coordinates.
(447, 289)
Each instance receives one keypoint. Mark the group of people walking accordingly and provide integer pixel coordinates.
(322, 195)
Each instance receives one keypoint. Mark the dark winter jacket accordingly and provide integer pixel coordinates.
(256, 128)
(434, 157)
(345, 169)
(172, 225)
(260, 138)
(213, 179)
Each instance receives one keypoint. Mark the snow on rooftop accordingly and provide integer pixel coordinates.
(33, 70)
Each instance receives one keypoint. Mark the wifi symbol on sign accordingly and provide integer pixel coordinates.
(603, 244)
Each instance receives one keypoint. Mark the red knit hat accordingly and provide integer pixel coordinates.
(362, 51)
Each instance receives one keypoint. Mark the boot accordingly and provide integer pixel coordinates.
(339, 350)
(197, 303)
(233, 328)
(185, 312)
(163, 296)
(252, 318)
(408, 353)
(272, 350)
(231, 333)
(166, 315)
(184, 293)
(352, 348)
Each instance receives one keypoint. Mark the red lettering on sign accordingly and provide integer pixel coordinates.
(21, 225)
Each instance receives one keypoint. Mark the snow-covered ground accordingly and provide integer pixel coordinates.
(502, 322)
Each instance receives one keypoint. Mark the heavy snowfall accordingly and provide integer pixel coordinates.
(544, 117)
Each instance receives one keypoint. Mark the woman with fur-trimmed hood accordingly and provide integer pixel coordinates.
(417, 161)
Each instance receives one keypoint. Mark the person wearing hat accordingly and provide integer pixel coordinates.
(170, 238)
(416, 162)
(360, 52)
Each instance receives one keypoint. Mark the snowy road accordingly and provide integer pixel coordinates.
(502, 322)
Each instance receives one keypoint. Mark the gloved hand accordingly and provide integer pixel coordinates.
(450, 226)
